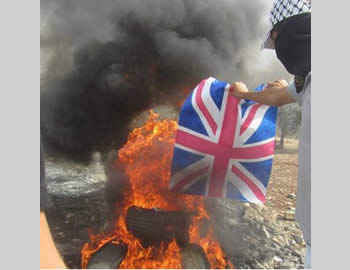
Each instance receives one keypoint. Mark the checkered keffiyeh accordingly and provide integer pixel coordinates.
(283, 9)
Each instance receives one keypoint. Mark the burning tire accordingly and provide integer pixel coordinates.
(108, 257)
(154, 226)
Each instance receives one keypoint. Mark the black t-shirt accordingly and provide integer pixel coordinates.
(45, 201)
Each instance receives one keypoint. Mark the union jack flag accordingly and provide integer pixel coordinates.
(224, 145)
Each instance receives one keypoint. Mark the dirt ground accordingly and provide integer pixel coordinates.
(282, 184)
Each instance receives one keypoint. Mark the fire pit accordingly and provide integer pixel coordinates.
(154, 228)
(111, 255)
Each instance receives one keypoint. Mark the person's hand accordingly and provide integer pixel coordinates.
(237, 89)
(277, 84)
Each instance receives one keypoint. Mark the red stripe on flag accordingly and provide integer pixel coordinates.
(253, 152)
(249, 118)
(198, 144)
(217, 178)
(179, 186)
(204, 109)
(228, 128)
(250, 184)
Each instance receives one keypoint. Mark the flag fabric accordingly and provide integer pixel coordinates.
(224, 145)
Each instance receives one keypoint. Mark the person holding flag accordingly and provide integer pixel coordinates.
(290, 37)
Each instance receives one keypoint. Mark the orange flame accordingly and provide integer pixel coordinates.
(146, 161)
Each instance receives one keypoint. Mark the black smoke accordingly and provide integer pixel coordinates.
(111, 60)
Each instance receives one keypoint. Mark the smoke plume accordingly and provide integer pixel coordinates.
(105, 62)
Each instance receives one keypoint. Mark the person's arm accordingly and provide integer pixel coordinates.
(49, 256)
(275, 94)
